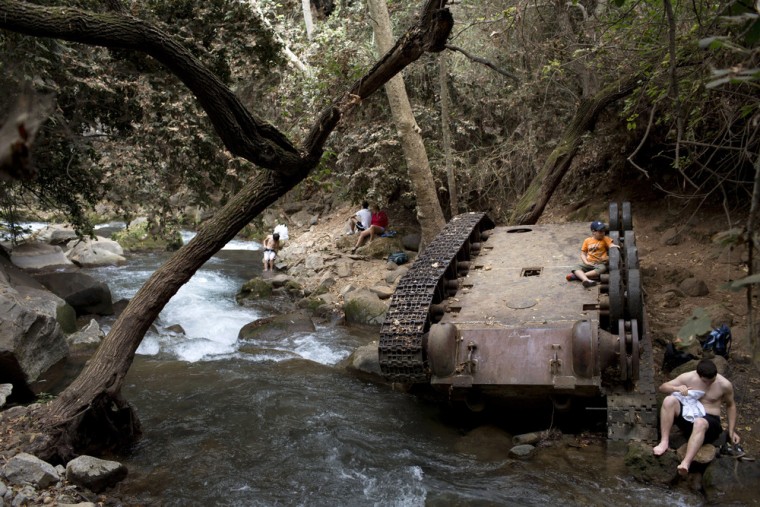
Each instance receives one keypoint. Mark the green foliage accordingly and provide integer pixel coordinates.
(128, 132)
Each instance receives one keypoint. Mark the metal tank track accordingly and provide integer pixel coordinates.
(408, 318)
(632, 414)
(632, 409)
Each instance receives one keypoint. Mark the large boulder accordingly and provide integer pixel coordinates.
(31, 338)
(364, 307)
(24, 468)
(646, 467)
(83, 292)
(364, 362)
(56, 234)
(729, 481)
(88, 337)
(93, 473)
(253, 290)
(381, 248)
(89, 253)
(39, 256)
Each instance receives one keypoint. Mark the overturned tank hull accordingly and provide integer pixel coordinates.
(487, 312)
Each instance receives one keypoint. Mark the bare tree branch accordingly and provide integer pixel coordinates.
(485, 62)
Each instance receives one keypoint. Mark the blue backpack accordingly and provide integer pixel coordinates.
(398, 258)
(719, 341)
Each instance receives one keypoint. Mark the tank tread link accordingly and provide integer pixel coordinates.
(421, 295)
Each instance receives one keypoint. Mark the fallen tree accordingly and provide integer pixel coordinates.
(91, 415)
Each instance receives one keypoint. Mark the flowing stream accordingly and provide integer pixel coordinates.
(284, 424)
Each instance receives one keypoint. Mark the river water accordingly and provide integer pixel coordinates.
(284, 424)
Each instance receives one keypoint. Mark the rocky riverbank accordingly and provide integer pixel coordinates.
(319, 278)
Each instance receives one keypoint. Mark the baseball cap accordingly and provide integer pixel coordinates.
(596, 225)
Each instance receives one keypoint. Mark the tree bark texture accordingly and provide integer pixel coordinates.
(533, 202)
(429, 213)
(91, 414)
(446, 135)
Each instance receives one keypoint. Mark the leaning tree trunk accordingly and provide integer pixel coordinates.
(533, 202)
(91, 413)
(429, 212)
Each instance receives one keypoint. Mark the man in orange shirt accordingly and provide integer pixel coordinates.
(594, 256)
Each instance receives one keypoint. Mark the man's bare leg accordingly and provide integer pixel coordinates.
(671, 407)
(696, 440)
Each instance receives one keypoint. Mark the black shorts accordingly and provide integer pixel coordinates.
(360, 226)
(714, 429)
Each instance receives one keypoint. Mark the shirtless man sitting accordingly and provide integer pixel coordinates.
(717, 391)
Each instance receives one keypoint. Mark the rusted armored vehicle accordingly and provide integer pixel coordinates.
(486, 312)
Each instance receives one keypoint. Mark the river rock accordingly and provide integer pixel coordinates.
(488, 442)
(646, 467)
(39, 256)
(364, 307)
(279, 280)
(383, 292)
(5, 391)
(343, 269)
(277, 327)
(395, 275)
(176, 328)
(705, 454)
(732, 255)
(91, 253)
(302, 218)
(253, 290)
(521, 451)
(694, 287)
(93, 473)
(315, 262)
(56, 234)
(381, 248)
(31, 339)
(86, 294)
(411, 242)
(24, 468)
(671, 237)
(365, 362)
(89, 336)
(729, 481)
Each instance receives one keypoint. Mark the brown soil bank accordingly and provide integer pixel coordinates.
(676, 242)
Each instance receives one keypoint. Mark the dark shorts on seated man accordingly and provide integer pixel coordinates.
(714, 429)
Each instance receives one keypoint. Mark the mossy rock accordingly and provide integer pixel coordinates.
(67, 318)
(310, 303)
(293, 288)
(255, 288)
(364, 307)
(139, 238)
(381, 248)
(646, 467)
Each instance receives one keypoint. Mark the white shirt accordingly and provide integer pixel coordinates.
(365, 217)
(691, 407)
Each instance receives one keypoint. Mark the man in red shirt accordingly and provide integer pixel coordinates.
(377, 227)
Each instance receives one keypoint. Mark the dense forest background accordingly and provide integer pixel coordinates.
(122, 130)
